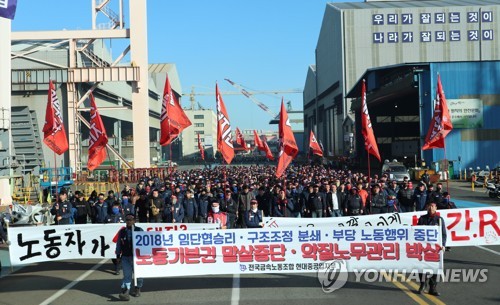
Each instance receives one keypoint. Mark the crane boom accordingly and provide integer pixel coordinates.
(249, 95)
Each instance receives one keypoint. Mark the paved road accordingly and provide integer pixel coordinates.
(92, 282)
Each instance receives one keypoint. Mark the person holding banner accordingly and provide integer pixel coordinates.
(354, 205)
(125, 255)
(215, 215)
(254, 216)
(432, 219)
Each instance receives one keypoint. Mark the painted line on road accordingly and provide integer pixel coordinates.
(489, 250)
(58, 294)
(235, 294)
(469, 204)
(415, 286)
(405, 289)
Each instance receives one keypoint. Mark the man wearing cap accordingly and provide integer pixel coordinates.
(253, 217)
(142, 206)
(124, 254)
(420, 197)
(62, 210)
(190, 207)
(316, 203)
(378, 200)
(432, 219)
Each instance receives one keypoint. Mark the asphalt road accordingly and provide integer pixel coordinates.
(93, 282)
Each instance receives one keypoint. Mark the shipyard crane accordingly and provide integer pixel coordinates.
(246, 93)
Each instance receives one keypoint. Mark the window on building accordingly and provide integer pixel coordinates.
(199, 132)
(201, 140)
(199, 116)
(199, 125)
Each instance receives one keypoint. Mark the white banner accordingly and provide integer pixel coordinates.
(464, 227)
(285, 250)
(51, 243)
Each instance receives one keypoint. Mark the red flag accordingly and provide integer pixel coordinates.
(366, 126)
(200, 147)
(288, 146)
(441, 121)
(239, 139)
(267, 150)
(258, 141)
(173, 120)
(224, 139)
(97, 137)
(314, 145)
(54, 134)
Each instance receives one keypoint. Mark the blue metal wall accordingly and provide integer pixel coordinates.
(459, 79)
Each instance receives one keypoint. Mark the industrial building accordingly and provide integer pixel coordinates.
(399, 47)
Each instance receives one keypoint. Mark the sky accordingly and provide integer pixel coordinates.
(263, 45)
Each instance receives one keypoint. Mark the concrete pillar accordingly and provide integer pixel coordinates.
(117, 131)
(5, 115)
(140, 97)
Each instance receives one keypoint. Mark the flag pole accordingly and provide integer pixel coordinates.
(55, 176)
(446, 168)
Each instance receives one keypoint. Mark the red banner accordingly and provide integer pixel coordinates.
(366, 125)
(173, 120)
(258, 141)
(267, 150)
(97, 137)
(441, 121)
(239, 139)
(314, 145)
(200, 147)
(54, 134)
(224, 138)
(288, 146)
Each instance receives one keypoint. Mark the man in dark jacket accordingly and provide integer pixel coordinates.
(437, 197)
(334, 201)
(405, 198)
(62, 210)
(244, 203)
(156, 207)
(190, 207)
(420, 197)
(316, 203)
(203, 206)
(264, 198)
(378, 201)
(432, 219)
(231, 209)
(354, 205)
(253, 217)
(83, 210)
(124, 254)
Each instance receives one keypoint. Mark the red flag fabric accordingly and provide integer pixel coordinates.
(200, 147)
(97, 137)
(224, 138)
(267, 150)
(314, 145)
(441, 121)
(173, 120)
(366, 126)
(240, 140)
(54, 134)
(288, 147)
(258, 141)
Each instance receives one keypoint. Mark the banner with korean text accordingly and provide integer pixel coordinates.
(285, 250)
(464, 227)
(88, 241)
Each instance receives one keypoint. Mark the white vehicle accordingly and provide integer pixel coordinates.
(395, 170)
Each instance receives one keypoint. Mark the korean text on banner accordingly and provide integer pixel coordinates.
(285, 250)
(464, 227)
(89, 241)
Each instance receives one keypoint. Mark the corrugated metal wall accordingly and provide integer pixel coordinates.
(467, 80)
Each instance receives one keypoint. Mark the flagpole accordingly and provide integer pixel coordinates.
(446, 168)
(369, 190)
(55, 176)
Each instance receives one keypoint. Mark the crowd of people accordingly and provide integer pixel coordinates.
(240, 197)
(200, 195)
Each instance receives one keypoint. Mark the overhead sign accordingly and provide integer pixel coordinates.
(466, 113)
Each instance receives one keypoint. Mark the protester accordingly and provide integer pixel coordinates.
(124, 255)
(254, 217)
(62, 209)
(432, 219)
